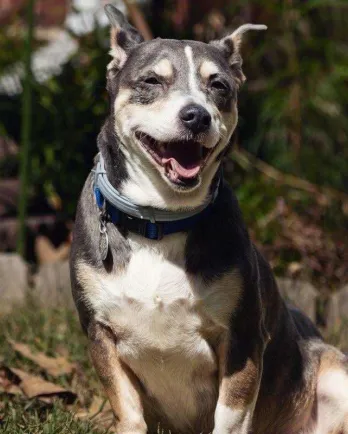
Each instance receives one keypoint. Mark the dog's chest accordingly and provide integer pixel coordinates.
(166, 322)
(154, 303)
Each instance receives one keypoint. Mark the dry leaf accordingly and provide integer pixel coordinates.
(34, 386)
(54, 366)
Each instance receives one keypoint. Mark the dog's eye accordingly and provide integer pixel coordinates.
(218, 85)
(152, 80)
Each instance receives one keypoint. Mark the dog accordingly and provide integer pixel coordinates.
(186, 327)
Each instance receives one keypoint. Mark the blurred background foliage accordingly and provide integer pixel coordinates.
(67, 113)
(293, 119)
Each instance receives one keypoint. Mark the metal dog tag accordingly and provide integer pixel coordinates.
(103, 240)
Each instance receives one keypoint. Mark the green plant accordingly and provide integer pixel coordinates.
(68, 111)
(293, 109)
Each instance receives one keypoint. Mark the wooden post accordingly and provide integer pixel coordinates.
(25, 131)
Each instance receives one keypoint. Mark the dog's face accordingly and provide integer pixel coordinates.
(174, 102)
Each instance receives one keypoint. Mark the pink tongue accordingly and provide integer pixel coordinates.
(180, 170)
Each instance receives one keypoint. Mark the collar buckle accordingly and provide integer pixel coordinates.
(160, 231)
(148, 229)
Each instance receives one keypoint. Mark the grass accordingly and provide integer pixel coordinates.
(54, 332)
(22, 417)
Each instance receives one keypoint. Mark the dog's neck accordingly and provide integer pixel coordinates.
(139, 181)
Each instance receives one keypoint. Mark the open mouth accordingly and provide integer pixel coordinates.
(182, 160)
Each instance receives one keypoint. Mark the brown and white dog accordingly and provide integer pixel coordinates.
(189, 330)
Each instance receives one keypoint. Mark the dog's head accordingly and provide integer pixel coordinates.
(174, 102)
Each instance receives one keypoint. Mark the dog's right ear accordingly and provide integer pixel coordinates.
(123, 37)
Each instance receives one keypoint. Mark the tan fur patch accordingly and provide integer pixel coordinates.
(116, 51)
(164, 68)
(207, 69)
(330, 360)
(239, 389)
(122, 99)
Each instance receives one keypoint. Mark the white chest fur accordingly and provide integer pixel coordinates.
(165, 320)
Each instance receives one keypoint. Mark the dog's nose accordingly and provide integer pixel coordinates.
(195, 117)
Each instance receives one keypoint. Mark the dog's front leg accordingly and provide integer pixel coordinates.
(121, 385)
(240, 358)
(240, 375)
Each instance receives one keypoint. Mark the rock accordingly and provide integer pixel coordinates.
(13, 281)
(300, 293)
(52, 286)
(337, 310)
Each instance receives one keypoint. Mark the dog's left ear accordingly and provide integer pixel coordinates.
(123, 37)
(231, 45)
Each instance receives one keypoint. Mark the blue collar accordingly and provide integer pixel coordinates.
(151, 223)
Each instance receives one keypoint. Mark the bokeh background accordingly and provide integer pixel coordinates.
(289, 165)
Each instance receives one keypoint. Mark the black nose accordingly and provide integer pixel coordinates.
(195, 118)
